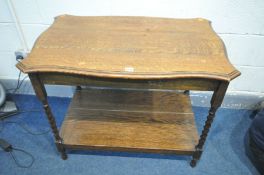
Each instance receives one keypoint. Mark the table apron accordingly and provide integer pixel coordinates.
(200, 84)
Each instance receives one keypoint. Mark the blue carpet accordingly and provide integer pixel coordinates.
(224, 149)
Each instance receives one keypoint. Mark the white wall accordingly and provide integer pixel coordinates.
(240, 23)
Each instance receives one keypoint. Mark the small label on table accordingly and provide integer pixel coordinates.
(129, 69)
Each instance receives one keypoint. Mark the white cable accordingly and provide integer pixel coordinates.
(18, 26)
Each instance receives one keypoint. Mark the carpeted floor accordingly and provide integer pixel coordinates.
(224, 149)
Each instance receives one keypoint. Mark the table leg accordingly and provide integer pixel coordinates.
(42, 95)
(216, 102)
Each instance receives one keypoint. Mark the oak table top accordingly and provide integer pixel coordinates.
(130, 48)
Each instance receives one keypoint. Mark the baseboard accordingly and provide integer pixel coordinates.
(26, 88)
(233, 99)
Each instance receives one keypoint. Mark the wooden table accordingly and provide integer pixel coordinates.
(130, 56)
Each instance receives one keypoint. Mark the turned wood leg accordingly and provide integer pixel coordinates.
(216, 102)
(42, 95)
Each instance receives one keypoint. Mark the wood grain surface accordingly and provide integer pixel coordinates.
(130, 48)
(130, 120)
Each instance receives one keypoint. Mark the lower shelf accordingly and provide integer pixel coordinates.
(130, 120)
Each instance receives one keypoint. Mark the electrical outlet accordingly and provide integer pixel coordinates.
(20, 54)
